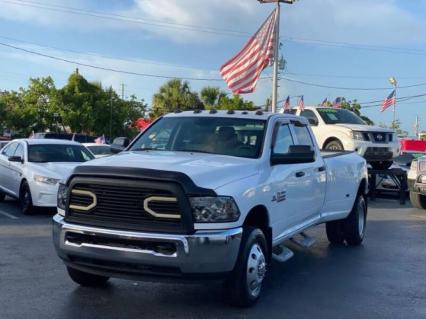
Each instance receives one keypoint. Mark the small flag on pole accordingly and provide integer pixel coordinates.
(287, 104)
(337, 104)
(389, 101)
(301, 104)
(242, 72)
(324, 103)
(100, 139)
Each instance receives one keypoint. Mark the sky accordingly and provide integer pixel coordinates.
(347, 44)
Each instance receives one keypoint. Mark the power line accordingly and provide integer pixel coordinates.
(109, 16)
(348, 88)
(104, 68)
(101, 55)
(203, 28)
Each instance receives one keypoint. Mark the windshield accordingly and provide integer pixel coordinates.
(225, 136)
(100, 149)
(337, 116)
(58, 153)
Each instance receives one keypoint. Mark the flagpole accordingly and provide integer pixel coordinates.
(276, 53)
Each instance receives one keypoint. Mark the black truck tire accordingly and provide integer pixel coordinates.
(334, 232)
(85, 279)
(244, 285)
(334, 145)
(418, 200)
(354, 225)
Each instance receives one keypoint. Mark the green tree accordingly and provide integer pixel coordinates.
(211, 96)
(236, 102)
(175, 95)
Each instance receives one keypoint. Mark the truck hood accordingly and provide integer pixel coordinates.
(206, 170)
(365, 128)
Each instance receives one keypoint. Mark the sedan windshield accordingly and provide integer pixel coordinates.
(225, 136)
(58, 153)
(100, 149)
(339, 116)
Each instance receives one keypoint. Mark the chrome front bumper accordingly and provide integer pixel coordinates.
(118, 253)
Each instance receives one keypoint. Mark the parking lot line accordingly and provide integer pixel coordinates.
(8, 215)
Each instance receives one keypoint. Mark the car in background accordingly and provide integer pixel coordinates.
(3, 144)
(342, 130)
(81, 138)
(31, 169)
(99, 150)
(120, 144)
(417, 182)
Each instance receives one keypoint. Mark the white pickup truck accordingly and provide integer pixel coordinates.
(340, 129)
(208, 194)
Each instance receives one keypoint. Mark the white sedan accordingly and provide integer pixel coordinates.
(30, 169)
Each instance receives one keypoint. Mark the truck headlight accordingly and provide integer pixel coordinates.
(219, 209)
(46, 180)
(358, 136)
(62, 198)
(414, 165)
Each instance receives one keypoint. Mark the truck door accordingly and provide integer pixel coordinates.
(298, 189)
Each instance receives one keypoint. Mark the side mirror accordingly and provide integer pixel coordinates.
(313, 122)
(296, 154)
(119, 144)
(17, 159)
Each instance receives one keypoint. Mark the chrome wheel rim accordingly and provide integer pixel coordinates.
(361, 218)
(256, 270)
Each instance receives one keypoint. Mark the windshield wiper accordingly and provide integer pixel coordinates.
(194, 151)
(148, 149)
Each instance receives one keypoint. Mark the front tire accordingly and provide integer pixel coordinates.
(334, 145)
(25, 200)
(244, 285)
(418, 200)
(355, 224)
(85, 279)
(382, 165)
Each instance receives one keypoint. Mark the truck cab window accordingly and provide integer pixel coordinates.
(283, 140)
(302, 135)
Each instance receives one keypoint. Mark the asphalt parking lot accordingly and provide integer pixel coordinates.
(385, 278)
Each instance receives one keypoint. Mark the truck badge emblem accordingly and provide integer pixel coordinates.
(279, 196)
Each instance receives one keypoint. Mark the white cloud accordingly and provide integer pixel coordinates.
(383, 22)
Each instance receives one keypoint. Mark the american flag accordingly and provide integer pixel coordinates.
(301, 104)
(100, 139)
(338, 102)
(287, 104)
(242, 72)
(389, 101)
(324, 103)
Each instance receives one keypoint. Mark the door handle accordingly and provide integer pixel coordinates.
(300, 174)
(321, 169)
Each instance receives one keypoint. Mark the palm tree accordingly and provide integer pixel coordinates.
(175, 95)
(211, 96)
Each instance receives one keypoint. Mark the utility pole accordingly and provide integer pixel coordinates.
(276, 53)
(110, 106)
(394, 83)
(122, 91)
(417, 127)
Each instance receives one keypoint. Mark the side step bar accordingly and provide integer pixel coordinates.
(303, 240)
(281, 253)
